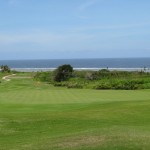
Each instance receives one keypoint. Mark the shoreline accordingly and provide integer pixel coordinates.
(80, 69)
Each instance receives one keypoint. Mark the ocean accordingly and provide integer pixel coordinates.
(128, 64)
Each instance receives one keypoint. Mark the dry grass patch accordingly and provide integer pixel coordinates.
(85, 141)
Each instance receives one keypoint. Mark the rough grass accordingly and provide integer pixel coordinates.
(37, 116)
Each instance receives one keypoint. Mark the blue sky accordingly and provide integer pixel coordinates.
(45, 29)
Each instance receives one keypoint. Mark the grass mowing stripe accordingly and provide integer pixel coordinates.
(35, 96)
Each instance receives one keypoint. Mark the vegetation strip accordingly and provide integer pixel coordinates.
(103, 79)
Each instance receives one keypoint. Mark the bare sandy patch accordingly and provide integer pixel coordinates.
(6, 78)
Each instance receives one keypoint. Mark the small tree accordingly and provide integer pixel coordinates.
(5, 68)
(63, 72)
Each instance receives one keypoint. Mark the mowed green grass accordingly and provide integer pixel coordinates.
(38, 116)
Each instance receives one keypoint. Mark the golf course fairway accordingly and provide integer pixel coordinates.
(38, 116)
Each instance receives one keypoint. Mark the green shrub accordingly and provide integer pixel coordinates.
(118, 85)
(74, 85)
(43, 76)
(63, 73)
(91, 76)
(102, 86)
(5, 68)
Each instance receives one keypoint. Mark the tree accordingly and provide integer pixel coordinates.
(5, 68)
(63, 72)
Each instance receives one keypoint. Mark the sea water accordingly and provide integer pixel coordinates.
(129, 64)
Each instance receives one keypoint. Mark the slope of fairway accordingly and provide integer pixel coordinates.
(38, 116)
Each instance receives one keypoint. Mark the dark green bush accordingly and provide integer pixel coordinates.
(63, 73)
(5, 68)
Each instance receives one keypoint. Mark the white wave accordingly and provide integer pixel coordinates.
(94, 69)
